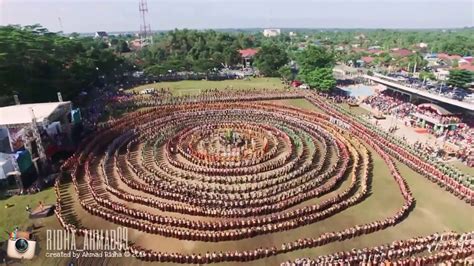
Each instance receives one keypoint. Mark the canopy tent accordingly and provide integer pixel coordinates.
(21, 115)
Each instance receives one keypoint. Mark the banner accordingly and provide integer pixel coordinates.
(16, 138)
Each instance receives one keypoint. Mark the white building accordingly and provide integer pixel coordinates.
(271, 32)
(423, 45)
(101, 35)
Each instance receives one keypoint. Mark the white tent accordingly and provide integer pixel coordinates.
(6, 165)
(17, 115)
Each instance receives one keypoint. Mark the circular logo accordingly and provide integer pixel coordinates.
(21, 245)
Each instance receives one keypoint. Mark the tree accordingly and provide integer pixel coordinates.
(314, 57)
(270, 59)
(122, 47)
(455, 63)
(231, 56)
(460, 78)
(427, 75)
(321, 79)
(37, 63)
(286, 73)
(202, 50)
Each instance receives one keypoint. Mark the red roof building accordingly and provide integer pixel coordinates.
(401, 52)
(375, 51)
(248, 53)
(468, 67)
(444, 56)
(367, 59)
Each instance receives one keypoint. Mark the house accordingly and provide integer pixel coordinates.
(444, 56)
(101, 35)
(441, 72)
(271, 32)
(135, 44)
(367, 59)
(401, 52)
(467, 59)
(468, 67)
(248, 55)
(449, 59)
(422, 45)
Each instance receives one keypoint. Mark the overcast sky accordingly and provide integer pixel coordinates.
(123, 15)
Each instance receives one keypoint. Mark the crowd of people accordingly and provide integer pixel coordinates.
(450, 247)
(390, 103)
(123, 138)
(449, 128)
(226, 145)
(439, 173)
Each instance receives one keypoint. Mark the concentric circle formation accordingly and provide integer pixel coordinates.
(227, 171)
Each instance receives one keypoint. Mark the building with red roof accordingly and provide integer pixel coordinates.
(468, 67)
(397, 52)
(444, 56)
(367, 59)
(248, 53)
(375, 51)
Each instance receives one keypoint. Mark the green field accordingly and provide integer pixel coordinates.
(192, 87)
(16, 215)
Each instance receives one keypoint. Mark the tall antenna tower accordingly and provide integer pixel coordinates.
(61, 24)
(145, 29)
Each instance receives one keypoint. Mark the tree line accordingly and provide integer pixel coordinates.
(36, 63)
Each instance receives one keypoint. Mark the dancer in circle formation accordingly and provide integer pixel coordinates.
(242, 165)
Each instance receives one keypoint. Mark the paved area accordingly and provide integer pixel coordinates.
(403, 131)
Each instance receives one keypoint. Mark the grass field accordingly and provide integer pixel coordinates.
(357, 111)
(17, 215)
(192, 87)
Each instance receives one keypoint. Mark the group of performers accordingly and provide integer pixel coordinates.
(254, 201)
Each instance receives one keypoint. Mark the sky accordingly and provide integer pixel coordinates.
(123, 15)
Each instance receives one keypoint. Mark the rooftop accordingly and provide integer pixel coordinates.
(21, 114)
(249, 52)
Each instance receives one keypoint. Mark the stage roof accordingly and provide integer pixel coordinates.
(21, 114)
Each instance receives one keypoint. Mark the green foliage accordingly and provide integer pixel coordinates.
(37, 63)
(321, 79)
(455, 63)
(460, 78)
(270, 59)
(156, 70)
(286, 73)
(122, 47)
(427, 75)
(202, 51)
(314, 57)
